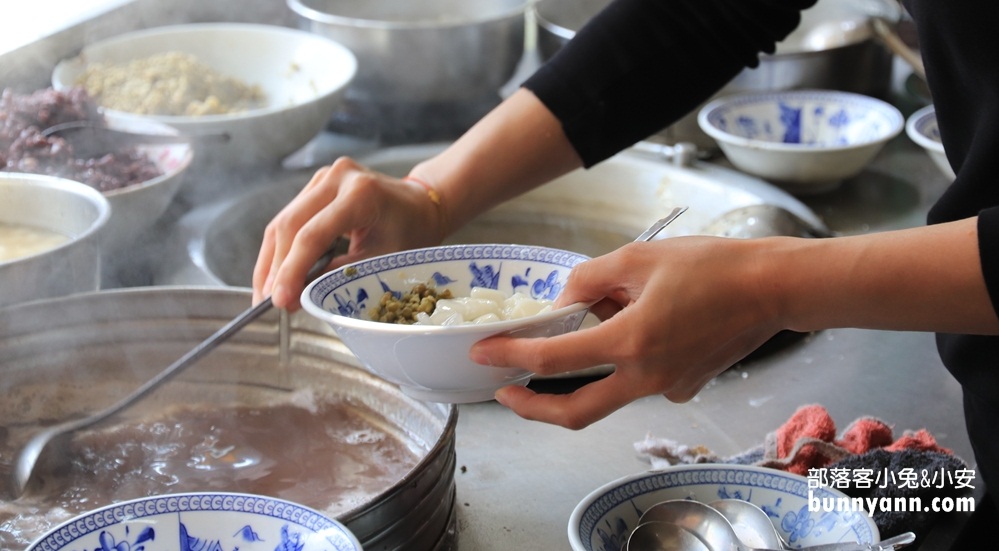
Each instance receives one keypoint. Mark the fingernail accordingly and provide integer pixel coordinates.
(279, 296)
(479, 357)
(265, 289)
(500, 397)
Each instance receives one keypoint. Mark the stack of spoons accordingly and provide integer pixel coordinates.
(725, 525)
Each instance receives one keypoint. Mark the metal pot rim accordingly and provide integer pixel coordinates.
(312, 14)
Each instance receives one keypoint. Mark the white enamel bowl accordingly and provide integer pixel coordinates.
(431, 362)
(67, 207)
(806, 141)
(302, 75)
(604, 518)
(210, 520)
(922, 129)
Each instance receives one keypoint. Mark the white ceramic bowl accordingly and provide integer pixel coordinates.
(302, 75)
(603, 519)
(136, 207)
(209, 520)
(922, 129)
(806, 141)
(431, 362)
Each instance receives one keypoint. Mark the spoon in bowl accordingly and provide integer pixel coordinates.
(748, 518)
(663, 536)
(715, 530)
(90, 139)
(29, 455)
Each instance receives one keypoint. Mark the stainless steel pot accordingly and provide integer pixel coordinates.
(423, 51)
(834, 47)
(81, 353)
(70, 208)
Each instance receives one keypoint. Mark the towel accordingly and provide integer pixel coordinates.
(809, 440)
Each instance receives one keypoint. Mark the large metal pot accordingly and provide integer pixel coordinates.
(834, 47)
(66, 356)
(423, 51)
(63, 206)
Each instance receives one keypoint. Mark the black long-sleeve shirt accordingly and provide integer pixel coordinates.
(642, 64)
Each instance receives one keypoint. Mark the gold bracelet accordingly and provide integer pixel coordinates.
(435, 198)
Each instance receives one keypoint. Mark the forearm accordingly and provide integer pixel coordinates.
(921, 279)
(517, 147)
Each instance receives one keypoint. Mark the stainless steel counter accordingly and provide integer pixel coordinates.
(519, 480)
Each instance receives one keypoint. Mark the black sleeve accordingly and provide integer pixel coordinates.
(640, 65)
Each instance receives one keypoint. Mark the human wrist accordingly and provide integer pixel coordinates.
(434, 196)
(782, 270)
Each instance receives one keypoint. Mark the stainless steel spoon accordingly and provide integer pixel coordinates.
(762, 220)
(662, 536)
(712, 528)
(90, 139)
(29, 455)
(744, 516)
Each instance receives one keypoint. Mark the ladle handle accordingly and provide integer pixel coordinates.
(196, 353)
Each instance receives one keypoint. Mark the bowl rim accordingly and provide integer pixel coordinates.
(98, 199)
(315, 15)
(155, 126)
(116, 513)
(917, 122)
(348, 57)
(705, 114)
(579, 510)
(398, 329)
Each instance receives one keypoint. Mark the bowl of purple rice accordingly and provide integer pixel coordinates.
(139, 181)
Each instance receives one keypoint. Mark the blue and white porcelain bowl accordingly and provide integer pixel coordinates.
(430, 362)
(806, 141)
(212, 520)
(603, 519)
(922, 129)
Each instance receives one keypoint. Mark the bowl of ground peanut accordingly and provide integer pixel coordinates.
(267, 90)
(411, 317)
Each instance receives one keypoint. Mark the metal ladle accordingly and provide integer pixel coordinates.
(715, 530)
(28, 457)
(762, 220)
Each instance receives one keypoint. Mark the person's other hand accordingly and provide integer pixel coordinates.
(676, 313)
(377, 213)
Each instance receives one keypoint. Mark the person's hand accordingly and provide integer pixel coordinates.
(377, 213)
(676, 313)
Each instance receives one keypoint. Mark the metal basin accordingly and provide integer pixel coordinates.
(69, 355)
(63, 206)
(426, 69)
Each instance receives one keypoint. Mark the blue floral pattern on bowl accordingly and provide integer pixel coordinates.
(806, 118)
(484, 268)
(603, 520)
(200, 521)
(431, 362)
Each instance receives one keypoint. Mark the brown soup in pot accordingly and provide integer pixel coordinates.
(323, 452)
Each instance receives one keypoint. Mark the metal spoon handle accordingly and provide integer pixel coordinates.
(26, 460)
(658, 226)
(196, 353)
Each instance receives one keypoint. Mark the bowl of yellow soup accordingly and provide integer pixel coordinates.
(50, 232)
